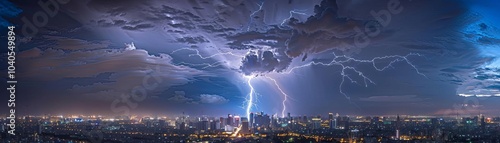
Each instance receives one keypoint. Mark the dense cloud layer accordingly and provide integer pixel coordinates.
(458, 44)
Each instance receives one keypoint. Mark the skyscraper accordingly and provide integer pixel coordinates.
(316, 123)
(333, 123)
(223, 122)
(397, 127)
(229, 120)
(483, 124)
(251, 120)
(236, 121)
(244, 126)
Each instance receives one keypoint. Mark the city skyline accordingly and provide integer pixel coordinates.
(343, 71)
(260, 127)
(436, 58)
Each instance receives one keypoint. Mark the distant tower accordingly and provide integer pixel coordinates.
(483, 124)
(230, 120)
(398, 122)
(244, 126)
(251, 120)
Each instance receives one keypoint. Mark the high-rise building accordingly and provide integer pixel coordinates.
(244, 126)
(203, 125)
(223, 122)
(330, 116)
(483, 124)
(229, 120)
(251, 120)
(217, 125)
(346, 125)
(213, 125)
(333, 123)
(236, 121)
(262, 120)
(398, 124)
(316, 123)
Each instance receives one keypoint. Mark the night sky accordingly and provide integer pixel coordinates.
(356, 57)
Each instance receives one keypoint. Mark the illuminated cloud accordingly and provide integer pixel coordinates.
(401, 98)
(260, 62)
(212, 99)
(121, 69)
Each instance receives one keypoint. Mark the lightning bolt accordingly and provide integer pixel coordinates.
(253, 13)
(343, 60)
(197, 53)
(285, 96)
(203, 65)
(250, 95)
(291, 15)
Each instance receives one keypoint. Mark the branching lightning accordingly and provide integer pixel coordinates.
(343, 60)
(250, 96)
(285, 96)
(203, 65)
(197, 53)
(253, 14)
(291, 15)
(337, 60)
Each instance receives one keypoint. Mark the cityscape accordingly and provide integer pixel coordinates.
(259, 127)
(271, 71)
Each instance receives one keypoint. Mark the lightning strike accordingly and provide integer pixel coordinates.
(343, 60)
(197, 53)
(285, 96)
(250, 95)
(253, 13)
(291, 15)
(204, 65)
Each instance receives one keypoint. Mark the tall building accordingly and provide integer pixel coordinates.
(203, 125)
(398, 124)
(236, 121)
(244, 126)
(217, 125)
(483, 124)
(223, 122)
(316, 123)
(213, 125)
(346, 125)
(333, 123)
(251, 120)
(262, 120)
(229, 120)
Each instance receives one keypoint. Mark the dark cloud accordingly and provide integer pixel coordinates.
(459, 51)
(192, 40)
(323, 31)
(212, 99)
(260, 62)
(137, 27)
(8, 10)
(128, 68)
